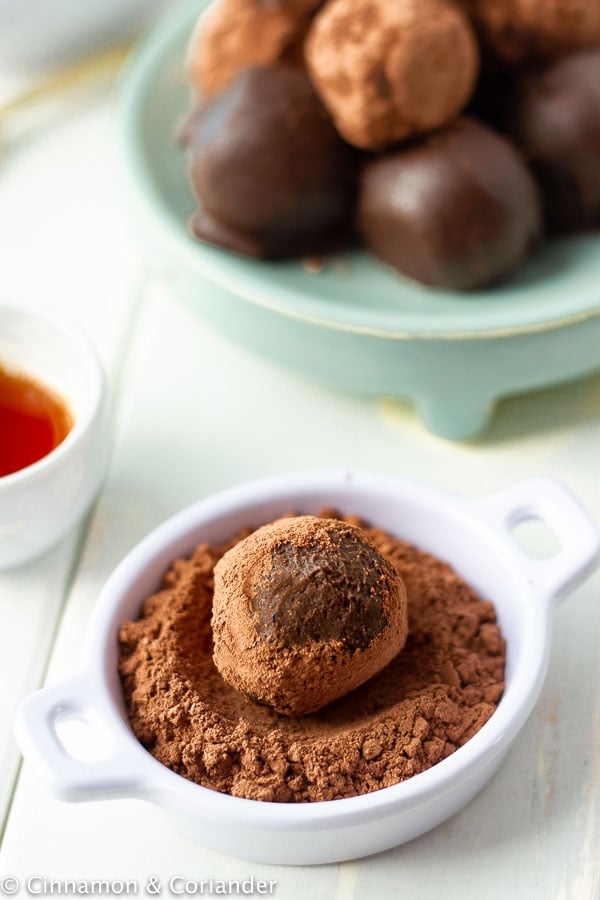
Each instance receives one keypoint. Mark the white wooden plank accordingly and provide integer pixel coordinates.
(30, 604)
(63, 248)
(65, 243)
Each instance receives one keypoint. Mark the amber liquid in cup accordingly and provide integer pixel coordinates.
(33, 421)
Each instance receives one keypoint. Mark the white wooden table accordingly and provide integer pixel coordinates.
(192, 414)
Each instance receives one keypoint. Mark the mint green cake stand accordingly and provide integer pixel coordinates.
(357, 326)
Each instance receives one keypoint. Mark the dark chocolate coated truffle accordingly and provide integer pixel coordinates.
(268, 168)
(459, 210)
(305, 609)
(555, 118)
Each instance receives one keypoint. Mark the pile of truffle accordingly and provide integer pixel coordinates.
(447, 136)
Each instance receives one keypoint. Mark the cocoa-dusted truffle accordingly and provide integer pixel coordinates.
(458, 210)
(233, 35)
(525, 30)
(390, 70)
(268, 168)
(305, 609)
(300, 7)
(555, 118)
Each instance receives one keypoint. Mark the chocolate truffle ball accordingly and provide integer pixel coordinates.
(268, 168)
(555, 118)
(390, 70)
(525, 30)
(305, 610)
(459, 210)
(233, 35)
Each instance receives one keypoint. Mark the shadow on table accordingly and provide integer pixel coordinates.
(522, 417)
(542, 412)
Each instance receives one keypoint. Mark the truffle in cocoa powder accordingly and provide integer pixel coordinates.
(305, 610)
(428, 701)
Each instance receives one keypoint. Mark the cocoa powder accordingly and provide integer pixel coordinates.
(430, 699)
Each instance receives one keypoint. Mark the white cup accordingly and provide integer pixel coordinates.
(40, 503)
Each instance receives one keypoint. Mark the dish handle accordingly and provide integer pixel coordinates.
(114, 771)
(548, 500)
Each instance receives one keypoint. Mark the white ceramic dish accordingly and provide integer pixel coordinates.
(474, 535)
(42, 502)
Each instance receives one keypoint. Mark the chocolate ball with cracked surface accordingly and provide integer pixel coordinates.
(554, 116)
(458, 210)
(390, 70)
(305, 609)
(272, 176)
